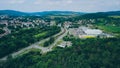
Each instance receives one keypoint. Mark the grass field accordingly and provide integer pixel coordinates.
(115, 16)
(40, 34)
(112, 29)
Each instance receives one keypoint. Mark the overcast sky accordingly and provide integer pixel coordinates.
(61, 5)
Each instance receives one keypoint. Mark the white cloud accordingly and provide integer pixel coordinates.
(69, 1)
(37, 2)
(53, 2)
(70, 5)
(17, 1)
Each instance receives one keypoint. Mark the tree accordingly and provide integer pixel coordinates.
(2, 31)
(46, 43)
(51, 40)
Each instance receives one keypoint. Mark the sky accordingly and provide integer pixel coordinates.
(60, 5)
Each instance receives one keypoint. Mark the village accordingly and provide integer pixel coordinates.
(79, 31)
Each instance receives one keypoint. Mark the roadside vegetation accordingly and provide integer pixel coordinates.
(49, 42)
(24, 38)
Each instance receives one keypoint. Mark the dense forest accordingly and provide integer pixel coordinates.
(25, 37)
(85, 53)
(2, 31)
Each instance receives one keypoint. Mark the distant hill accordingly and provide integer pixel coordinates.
(111, 13)
(45, 13)
(12, 13)
(101, 14)
(57, 13)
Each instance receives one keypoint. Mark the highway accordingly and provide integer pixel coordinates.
(36, 45)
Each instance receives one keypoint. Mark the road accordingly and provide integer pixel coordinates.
(7, 31)
(36, 45)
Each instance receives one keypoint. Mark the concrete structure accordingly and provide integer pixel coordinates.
(85, 32)
(65, 44)
(89, 33)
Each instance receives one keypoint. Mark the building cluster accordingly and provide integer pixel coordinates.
(13, 23)
(20, 21)
(85, 32)
(88, 21)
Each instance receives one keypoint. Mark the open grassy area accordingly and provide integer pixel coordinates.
(40, 34)
(112, 29)
(41, 44)
(115, 16)
(59, 42)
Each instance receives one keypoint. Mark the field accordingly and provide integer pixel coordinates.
(115, 16)
(40, 34)
(111, 29)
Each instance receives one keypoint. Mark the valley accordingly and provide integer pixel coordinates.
(59, 40)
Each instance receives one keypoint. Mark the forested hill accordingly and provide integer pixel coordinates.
(12, 13)
(101, 14)
(111, 13)
(44, 13)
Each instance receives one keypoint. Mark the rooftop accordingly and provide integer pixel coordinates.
(93, 31)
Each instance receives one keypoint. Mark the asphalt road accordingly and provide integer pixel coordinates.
(7, 31)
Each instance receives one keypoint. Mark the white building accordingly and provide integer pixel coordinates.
(93, 32)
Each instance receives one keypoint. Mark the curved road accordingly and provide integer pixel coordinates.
(7, 31)
(36, 45)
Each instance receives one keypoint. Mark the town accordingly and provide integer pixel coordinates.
(37, 38)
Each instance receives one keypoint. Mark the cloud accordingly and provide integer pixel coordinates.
(69, 1)
(67, 5)
(53, 2)
(17, 1)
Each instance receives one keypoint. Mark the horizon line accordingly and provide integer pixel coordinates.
(56, 10)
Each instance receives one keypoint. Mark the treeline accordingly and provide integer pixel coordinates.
(24, 37)
(85, 53)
